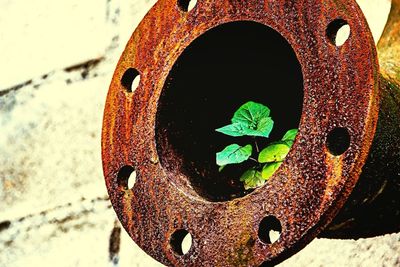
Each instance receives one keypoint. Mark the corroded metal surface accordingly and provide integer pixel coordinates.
(374, 205)
(341, 90)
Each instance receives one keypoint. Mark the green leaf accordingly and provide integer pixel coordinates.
(252, 179)
(220, 169)
(254, 119)
(289, 143)
(233, 154)
(274, 153)
(236, 129)
(290, 135)
(269, 169)
(263, 128)
(250, 119)
(250, 113)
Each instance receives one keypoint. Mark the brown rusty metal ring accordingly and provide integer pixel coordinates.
(340, 92)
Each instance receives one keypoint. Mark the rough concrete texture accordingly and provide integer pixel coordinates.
(57, 60)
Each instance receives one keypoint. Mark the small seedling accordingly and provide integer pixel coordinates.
(253, 120)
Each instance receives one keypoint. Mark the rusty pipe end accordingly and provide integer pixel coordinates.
(341, 100)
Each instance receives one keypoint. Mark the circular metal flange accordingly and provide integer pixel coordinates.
(340, 96)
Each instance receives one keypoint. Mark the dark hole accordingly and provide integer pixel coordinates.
(126, 177)
(338, 141)
(130, 79)
(181, 242)
(269, 230)
(4, 225)
(338, 32)
(187, 5)
(221, 70)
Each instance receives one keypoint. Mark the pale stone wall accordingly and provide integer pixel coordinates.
(56, 61)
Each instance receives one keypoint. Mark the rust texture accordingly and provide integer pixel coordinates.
(374, 205)
(343, 88)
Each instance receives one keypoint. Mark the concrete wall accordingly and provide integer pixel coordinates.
(56, 61)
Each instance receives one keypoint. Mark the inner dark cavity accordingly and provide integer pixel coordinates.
(218, 72)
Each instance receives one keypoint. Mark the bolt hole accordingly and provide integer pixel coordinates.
(181, 242)
(338, 32)
(338, 141)
(269, 230)
(127, 177)
(187, 5)
(130, 80)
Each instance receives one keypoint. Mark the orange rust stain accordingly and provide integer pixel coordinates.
(334, 171)
(127, 206)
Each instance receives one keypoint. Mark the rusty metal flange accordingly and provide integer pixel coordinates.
(341, 95)
(373, 207)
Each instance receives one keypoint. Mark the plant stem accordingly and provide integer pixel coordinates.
(255, 141)
(253, 159)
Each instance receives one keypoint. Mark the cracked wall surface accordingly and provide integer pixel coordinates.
(56, 62)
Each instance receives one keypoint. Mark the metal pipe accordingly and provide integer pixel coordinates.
(347, 149)
(373, 208)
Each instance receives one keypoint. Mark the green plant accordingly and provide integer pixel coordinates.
(253, 120)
